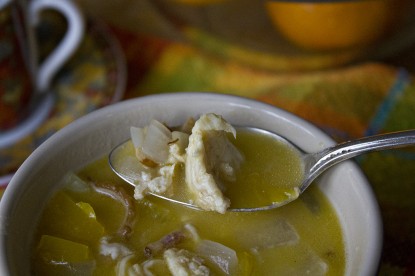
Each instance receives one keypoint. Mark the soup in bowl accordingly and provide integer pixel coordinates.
(65, 210)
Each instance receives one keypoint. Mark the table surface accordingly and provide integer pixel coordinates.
(347, 102)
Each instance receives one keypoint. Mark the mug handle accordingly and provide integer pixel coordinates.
(67, 46)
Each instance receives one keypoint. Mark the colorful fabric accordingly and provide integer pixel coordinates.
(346, 103)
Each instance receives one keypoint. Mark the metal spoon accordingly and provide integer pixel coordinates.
(313, 163)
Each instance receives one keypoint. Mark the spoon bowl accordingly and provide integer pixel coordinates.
(313, 164)
(124, 163)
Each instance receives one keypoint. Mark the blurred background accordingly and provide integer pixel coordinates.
(265, 33)
(346, 66)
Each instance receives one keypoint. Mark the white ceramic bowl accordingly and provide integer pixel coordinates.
(94, 135)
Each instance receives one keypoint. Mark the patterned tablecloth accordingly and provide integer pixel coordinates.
(346, 102)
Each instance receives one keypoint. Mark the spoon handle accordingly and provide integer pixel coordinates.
(319, 162)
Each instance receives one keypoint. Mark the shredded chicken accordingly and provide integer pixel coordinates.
(210, 158)
(159, 150)
(157, 180)
(182, 263)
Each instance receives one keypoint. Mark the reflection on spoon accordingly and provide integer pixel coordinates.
(122, 161)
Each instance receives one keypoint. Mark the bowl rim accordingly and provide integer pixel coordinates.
(14, 188)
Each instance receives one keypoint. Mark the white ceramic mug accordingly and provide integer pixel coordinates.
(24, 80)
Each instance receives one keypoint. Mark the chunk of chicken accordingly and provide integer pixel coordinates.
(211, 157)
(183, 263)
(155, 180)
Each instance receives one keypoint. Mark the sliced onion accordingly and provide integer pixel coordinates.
(152, 142)
(192, 232)
(156, 142)
(137, 136)
(121, 196)
(181, 138)
(75, 183)
(122, 266)
(161, 127)
(188, 125)
(224, 257)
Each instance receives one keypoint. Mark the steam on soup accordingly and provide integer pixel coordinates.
(95, 225)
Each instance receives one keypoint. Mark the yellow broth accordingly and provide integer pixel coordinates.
(309, 236)
(271, 171)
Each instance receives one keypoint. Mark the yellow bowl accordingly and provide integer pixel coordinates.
(286, 36)
(335, 25)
